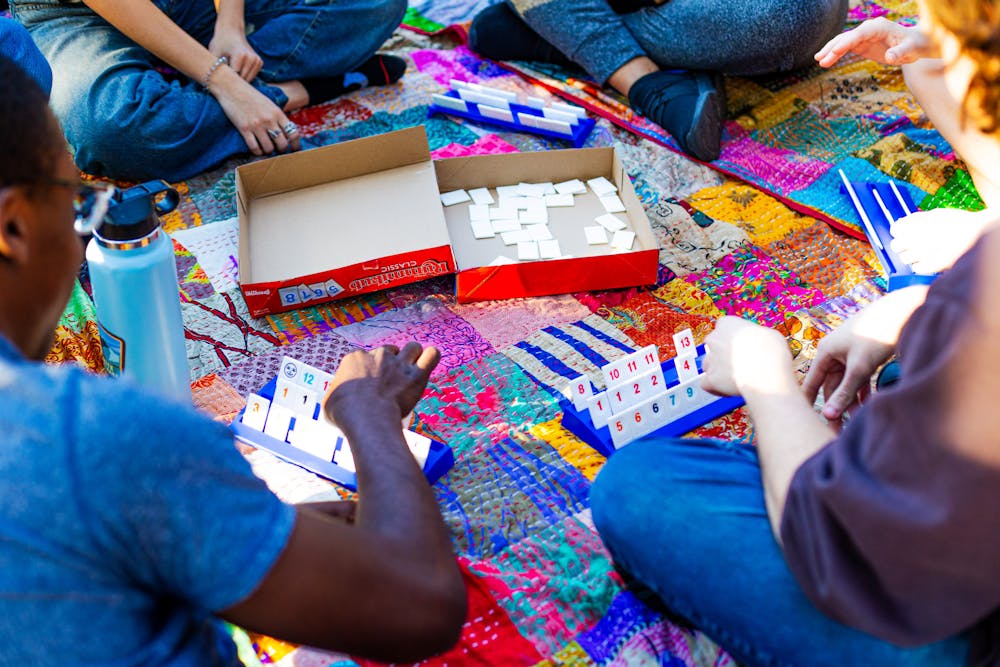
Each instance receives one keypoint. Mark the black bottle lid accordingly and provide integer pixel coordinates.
(133, 213)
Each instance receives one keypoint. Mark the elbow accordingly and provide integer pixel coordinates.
(430, 617)
(450, 610)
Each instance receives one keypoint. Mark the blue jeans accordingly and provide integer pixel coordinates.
(16, 44)
(124, 120)
(746, 37)
(686, 518)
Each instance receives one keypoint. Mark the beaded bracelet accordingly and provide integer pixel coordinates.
(223, 60)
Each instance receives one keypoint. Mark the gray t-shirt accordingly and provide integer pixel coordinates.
(126, 520)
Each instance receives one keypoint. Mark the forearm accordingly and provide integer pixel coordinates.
(144, 23)
(394, 499)
(788, 433)
(231, 16)
(883, 320)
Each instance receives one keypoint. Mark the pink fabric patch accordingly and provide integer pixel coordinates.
(784, 170)
(491, 144)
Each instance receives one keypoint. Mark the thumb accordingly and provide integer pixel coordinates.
(845, 394)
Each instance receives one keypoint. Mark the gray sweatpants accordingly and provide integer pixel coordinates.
(740, 37)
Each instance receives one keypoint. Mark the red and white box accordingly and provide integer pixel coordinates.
(365, 215)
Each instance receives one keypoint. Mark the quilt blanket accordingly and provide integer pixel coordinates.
(746, 236)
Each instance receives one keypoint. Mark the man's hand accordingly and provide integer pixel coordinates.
(931, 241)
(843, 368)
(847, 357)
(744, 357)
(388, 378)
(231, 41)
(880, 40)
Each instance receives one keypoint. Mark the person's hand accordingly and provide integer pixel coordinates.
(931, 241)
(745, 357)
(232, 43)
(880, 40)
(386, 379)
(259, 120)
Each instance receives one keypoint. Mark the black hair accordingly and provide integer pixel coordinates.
(29, 145)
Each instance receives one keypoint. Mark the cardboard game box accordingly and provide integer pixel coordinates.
(365, 215)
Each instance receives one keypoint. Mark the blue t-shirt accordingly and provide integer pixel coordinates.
(125, 521)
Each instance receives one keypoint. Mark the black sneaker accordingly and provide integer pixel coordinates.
(691, 106)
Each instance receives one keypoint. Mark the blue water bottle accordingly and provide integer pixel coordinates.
(134, 276)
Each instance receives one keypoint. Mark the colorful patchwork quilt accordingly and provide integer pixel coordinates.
(753, 235)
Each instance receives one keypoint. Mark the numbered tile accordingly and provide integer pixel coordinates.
(314, 437)
(600, 411)
(620, 432)
(298, 399)
(255, 414)
(627, 367)
(658, 412)
(579, 391)
(684, 343)
(687, 368)
(420, 446)
(637, 390)
(304, 375)
(279, 420)
(344, 457)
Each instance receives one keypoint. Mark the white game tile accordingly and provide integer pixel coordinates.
(527, 250)
(454, 197)
(538, 232)
(549, 249)
(571, 187)
(479, 212)
(623, 239)
(612, 204)
(553, 201)
(482, 229)
(481, 196)
(596, 235)
(610, 222)
(602, 186)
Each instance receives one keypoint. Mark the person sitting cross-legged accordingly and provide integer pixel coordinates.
(666, 57)
(130, 525)
(241, 67)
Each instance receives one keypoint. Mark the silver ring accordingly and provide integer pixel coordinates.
(273, 133)
(290, 128)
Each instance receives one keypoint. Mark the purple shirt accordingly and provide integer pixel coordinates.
(894, 527)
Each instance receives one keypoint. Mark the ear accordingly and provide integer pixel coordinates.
(15, 209)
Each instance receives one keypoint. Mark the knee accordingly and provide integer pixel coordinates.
(387, 14)
(633, 491)
(16, 44)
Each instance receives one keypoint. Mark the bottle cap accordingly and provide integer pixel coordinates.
(133, 214)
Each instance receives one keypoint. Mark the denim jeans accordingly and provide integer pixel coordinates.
(744, 38)
(686, 518)
(16, 44)
(124, 120)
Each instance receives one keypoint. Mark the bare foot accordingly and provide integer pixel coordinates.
(296, 94)
(630, 72)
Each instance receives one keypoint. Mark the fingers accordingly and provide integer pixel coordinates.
(428, 359)
(845, 394)
(411, 352)
(291, 132)
(247, 65)
(818, 372)
(250, 139)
